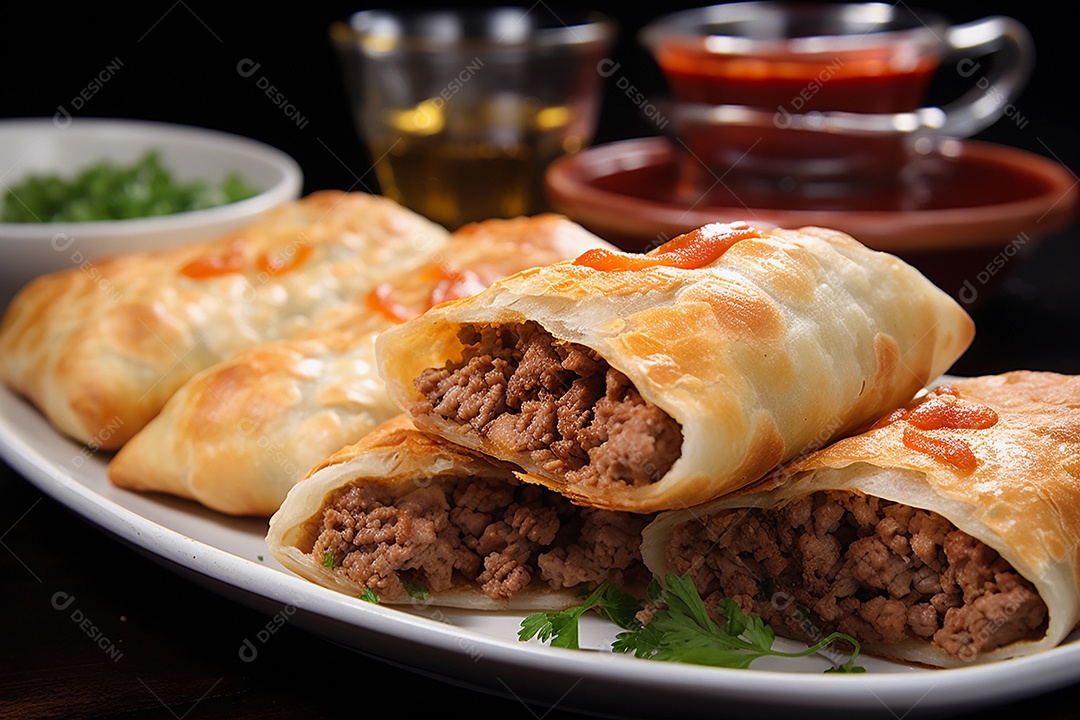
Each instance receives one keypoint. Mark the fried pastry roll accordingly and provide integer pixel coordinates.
(101, 350)
(947, 534)
(408, 518)
(651, 382)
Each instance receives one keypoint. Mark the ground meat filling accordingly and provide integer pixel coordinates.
(876, 570)
(558, 402)
(501, 536)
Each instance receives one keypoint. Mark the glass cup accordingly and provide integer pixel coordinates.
(827, 98)
(464, 109)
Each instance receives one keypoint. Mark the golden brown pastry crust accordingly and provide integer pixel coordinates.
(1022, 498)
(239, 434)
(781, 344)
(100, 352)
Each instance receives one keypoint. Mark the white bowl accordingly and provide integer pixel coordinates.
(42, 146)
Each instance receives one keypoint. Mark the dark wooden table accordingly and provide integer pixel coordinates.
(93, 629)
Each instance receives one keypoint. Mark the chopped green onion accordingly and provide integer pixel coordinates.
(106, 191)
(417, 591)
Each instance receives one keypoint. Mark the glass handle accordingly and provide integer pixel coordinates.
(995, 87)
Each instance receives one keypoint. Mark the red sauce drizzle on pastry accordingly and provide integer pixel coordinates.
(936, 413)
(694, 249)
(449, 283)
(281, 263)
(381, 300)
(950, 449)
(230, 260)
(941, 410)
(454, 285)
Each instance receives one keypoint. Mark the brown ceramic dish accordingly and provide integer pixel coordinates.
(976, 203)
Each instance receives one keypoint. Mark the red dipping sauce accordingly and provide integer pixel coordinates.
(867, 81)
(772, 66)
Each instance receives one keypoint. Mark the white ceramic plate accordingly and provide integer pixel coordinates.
(481, 650)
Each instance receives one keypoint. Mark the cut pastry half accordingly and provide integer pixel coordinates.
(404, 517)
(945, 535)
(652, 382)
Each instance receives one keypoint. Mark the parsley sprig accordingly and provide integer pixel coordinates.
(561, 628)
(680, 631)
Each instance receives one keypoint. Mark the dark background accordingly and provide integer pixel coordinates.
(178, 63)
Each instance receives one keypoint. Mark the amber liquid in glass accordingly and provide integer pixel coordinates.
(457, 165)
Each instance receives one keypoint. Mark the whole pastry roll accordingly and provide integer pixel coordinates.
(240, 433)
(651, 382)
(100, 348)
(946, 534)
(407, 518)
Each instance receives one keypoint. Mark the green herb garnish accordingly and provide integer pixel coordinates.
(417, 591)
(680, 632)
(107, 191)
(561, 628)
(328, 561)
(368, 595)
(684, 632)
